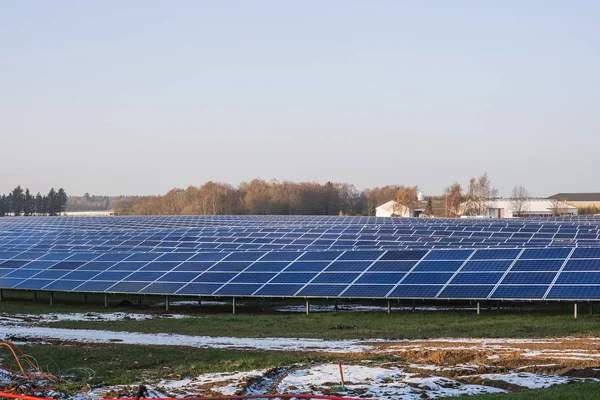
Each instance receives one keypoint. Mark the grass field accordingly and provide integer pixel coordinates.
(575, 391)
(111, 364)
(521, 321)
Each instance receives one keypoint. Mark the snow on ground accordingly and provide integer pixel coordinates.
(375, 382)
(224, 383)
(24, 319)
(165, 339)
(360, 381)
(528, 380)
(20, 330)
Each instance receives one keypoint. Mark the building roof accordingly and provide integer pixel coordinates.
(533, 204)
(577, 196)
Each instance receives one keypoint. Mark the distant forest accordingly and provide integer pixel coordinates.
(259, 197)
(22, 202)
(89, 202)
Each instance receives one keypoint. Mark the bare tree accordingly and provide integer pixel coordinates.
(560, 206)
(453, 199)
(519, 200)
(480, 194)
(407, 199)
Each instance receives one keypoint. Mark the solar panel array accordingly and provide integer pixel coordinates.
(323, 257)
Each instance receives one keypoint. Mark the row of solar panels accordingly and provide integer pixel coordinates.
(138, 222)
(536, 274)
(314, 246)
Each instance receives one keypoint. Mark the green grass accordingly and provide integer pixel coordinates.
(520, 321)
(357, 325)
(123, 364)
(574, 391)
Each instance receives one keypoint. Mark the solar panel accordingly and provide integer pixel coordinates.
(303, 256)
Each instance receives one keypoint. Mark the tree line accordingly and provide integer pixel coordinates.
(260, 197)
(22, 202)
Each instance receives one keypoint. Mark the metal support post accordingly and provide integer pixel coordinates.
(335, 305)
(389, 307)
(478, 308)
(51, 298)
(166, 303)
(591, 308)
(105, 301)
(35, 296)
(199, 301)
(139, 300)
(1, 295)
(575, 310)
(307, 306)
(414, 307)
(233, 305)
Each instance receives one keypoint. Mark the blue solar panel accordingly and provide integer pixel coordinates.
(335, 277)
(32, 284)
(278, 290)
(545, 253)
(128, 287)
(377, 291)
(238, 289)
(575, 292)
(162, 288)
(117, 247)
(486, 266)
(244, 256)
(380, 278)
(404, 255)
(426, 278)
(253, 277)
(466, 292)
(519, 292)
(582, 265)
(578, 278)
(198, 289)
(496, 254)
(528, 278)
(415, 291)
(321, 290)
(361, 255)
(537, 265)
(63, 285)
(211, 277)
(448, 255)
(294, 277)
(586, 253)
(267, 266)
(438, 266)
(476, 278)
(314, 266)
(343, 266)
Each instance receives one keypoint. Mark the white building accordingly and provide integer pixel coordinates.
(505, 208)
(394, 209)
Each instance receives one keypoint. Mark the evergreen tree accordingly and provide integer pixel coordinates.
(3, 206)
(28, 203)
(62, 200)
(39, 204)
(45, 205)
(17, 201)
(53, 202)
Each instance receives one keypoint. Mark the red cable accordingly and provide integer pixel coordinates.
(241, 397)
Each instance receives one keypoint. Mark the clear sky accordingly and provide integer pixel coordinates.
(138, 97)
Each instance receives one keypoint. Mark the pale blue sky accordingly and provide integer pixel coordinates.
(138, 97)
